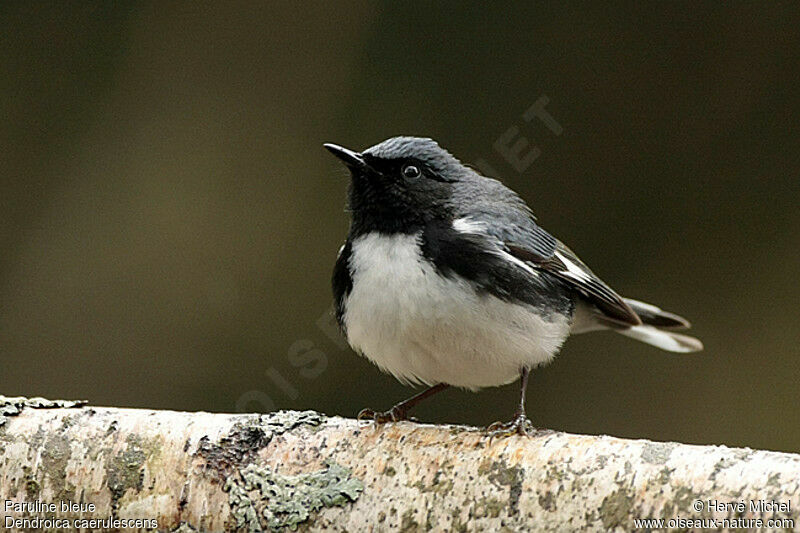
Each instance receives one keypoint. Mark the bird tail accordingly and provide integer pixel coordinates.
(656, 329)
(666, 340)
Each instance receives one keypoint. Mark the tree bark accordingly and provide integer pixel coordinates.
(286, 470)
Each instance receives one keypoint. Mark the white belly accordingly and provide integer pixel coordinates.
(421, 327)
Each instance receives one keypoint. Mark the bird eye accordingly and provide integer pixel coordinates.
(411, 171)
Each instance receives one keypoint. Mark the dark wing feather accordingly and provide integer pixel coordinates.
(565, 265)
(518, 233)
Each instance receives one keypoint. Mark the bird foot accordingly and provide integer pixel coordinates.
(520, 425)
(395, 414)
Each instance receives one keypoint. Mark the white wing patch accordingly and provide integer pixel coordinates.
(573, 270)
(508, 257)
(465, 225)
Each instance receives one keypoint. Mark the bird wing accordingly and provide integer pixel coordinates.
(517, 234)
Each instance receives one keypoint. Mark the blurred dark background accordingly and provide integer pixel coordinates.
(169, 219)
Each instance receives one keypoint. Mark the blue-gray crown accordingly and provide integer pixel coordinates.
(421, 148)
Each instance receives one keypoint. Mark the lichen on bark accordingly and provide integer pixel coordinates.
(305, 470)
(13, 405)
(249, 435)
(287, 500)
(125, 470)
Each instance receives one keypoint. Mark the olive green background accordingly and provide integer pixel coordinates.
(169, 219)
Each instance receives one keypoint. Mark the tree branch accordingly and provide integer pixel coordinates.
(286, 469)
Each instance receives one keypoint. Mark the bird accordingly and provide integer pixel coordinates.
(446, 279)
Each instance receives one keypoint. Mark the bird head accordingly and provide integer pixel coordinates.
(401, 184)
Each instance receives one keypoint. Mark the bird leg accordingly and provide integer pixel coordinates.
(520, 424)
(400, 411)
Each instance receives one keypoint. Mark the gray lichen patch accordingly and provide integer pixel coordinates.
(261, 498)
(55, 455)
(657, 453)
(249, 435)
(501, 474)
(282, 421)
(547, 501)
(12, 406)
(126, 470)
(615, 511)
(684, 496)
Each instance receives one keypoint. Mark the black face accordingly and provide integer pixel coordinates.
(399, 185)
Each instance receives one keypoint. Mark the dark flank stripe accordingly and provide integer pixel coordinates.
(469, 256)
(342, 282)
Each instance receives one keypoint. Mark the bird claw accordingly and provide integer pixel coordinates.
(392, 415)
(520, 425)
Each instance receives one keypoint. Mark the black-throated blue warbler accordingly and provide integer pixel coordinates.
(447, 280)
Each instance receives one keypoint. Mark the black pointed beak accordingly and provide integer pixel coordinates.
(349, 157)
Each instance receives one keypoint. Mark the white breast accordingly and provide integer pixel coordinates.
(422, 327)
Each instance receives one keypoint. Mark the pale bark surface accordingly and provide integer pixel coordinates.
(215, 472)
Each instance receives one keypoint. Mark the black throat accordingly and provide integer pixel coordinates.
(376, 211)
